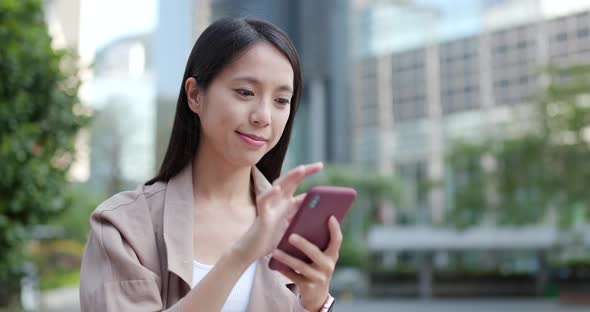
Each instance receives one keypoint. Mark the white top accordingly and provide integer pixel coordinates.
(239, 297)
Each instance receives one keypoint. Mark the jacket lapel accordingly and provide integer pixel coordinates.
(178, 224)
(269, 291)
(263, 297)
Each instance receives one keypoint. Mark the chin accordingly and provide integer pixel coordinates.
(248, 160)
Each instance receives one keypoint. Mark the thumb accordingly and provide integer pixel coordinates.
(296, 204)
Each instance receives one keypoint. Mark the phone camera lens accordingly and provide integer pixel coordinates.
(314, 201)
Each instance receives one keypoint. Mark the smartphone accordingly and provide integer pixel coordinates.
(311, 220)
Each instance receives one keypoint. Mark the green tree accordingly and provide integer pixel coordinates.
(38, 123)
(565, 112)
(469, 181)
(543, 168)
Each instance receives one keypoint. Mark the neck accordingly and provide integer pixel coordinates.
(217, 181)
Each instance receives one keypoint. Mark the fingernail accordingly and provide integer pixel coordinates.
(333, 219)
(294, 238)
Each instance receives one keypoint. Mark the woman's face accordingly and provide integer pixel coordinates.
(244, 110)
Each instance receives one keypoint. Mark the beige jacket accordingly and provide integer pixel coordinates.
(140, 252)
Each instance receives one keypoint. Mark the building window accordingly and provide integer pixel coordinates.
(504, 83)
(501, 49)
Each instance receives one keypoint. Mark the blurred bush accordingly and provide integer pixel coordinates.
(57, 261)
(74, 220)
(353, 254)
(39, 118)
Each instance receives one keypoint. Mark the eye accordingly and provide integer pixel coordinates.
(282, 101)
(244, 92)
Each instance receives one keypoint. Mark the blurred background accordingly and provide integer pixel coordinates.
(463, 124)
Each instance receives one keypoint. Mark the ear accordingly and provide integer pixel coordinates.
(194, 95)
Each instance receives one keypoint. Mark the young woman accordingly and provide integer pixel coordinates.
(198, 236)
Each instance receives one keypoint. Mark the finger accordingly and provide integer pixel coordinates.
(335, 239)
(308, 248)
(297, 201)
(322, 261)
(267, 198)
(313, 168)
(291, 174)
(295, 264)
(293, 276)
(306, 170)
(295, 176)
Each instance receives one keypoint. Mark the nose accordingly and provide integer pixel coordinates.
(261, 114)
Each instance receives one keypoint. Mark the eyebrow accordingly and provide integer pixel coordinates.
(255, 81)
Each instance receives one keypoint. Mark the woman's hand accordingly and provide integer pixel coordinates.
(275, 208)
(313, 279)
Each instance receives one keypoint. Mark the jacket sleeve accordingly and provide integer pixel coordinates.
(299, 307)
(112, 277)
(292, 287)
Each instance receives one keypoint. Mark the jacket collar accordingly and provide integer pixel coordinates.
(178, 224)
(269, 286)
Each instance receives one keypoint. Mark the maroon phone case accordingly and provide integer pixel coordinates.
(311, 220)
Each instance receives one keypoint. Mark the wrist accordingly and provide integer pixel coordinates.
(242, 253)
(325, 306)
(322, 306)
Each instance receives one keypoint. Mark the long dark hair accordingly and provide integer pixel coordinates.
(216, 47)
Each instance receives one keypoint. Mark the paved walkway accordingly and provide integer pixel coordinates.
(63, 300)
(457, 305)
(66, 300)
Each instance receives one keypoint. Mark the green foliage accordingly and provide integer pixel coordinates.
(542, 168)
(57, 261)
(74, 219)
(469, 202)
(578, 263)
(38, 98)
(520, 180)
(353, 254)
(58, 279)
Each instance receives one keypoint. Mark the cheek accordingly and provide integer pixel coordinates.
(221, 114)
(279, 125)
(214, 125)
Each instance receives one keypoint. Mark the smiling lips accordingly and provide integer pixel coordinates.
(252, 140)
